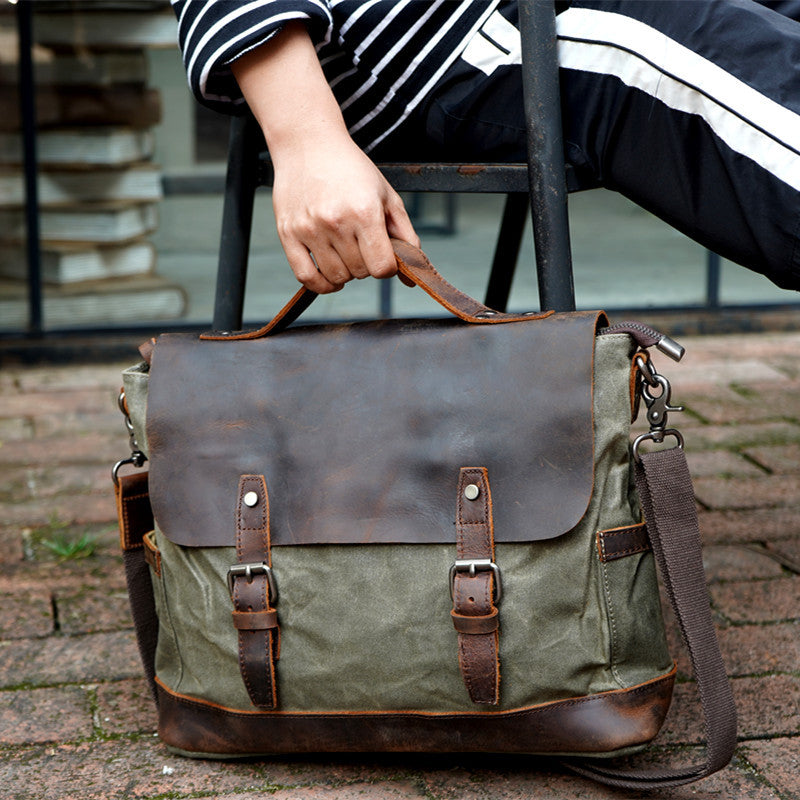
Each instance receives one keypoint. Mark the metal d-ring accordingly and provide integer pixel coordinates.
(137, 459)
(658, 437)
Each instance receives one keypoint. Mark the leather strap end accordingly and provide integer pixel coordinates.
(152, 555)
(476, 625)
(134, 514)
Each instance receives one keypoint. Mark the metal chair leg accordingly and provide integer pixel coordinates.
(506, 252)
(546, 155)
(237, 219)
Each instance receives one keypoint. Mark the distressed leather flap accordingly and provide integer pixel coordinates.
(360, 430)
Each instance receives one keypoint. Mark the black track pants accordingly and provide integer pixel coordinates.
(691, 108)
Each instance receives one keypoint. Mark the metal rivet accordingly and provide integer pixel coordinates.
(471, 492)
(250, 499)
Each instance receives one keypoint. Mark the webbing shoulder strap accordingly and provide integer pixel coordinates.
(667, 498)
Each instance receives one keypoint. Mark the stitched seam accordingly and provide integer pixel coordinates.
(602, 541)
(149, 547)
(243, 668)
(605, 555)
(466, 663)
(267, 638)
(464, 657)
(627, 552)
(620, 532)
(164, 582)
(538, 708)
(126, 518)
(478, 476)
(613, 626)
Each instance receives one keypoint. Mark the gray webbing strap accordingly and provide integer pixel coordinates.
(143, 611)
(667, 498)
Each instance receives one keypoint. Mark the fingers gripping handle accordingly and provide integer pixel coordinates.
(413, 268)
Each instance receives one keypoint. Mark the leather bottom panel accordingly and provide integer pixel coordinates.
(592, 725)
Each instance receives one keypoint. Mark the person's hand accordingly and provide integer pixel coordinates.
(335, 213)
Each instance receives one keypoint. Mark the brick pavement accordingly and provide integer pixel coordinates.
(76, 720)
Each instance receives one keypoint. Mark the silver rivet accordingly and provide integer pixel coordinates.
(471, 492)
(251, 499)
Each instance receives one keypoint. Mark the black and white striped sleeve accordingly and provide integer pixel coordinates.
(213, 33)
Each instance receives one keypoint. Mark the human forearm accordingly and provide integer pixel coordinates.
(315, 159)
(287, 92)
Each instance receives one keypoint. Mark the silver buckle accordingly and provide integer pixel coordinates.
(473, 566)
(248, 571)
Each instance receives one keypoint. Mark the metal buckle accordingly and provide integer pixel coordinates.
(250, 570)
(473, 566)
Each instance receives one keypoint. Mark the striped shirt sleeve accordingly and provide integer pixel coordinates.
(214, 33)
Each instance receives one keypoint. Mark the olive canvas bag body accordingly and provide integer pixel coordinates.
(426, 535)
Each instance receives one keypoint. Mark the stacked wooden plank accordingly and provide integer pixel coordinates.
(99, 187)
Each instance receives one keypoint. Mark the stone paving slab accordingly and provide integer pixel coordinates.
(73, 448)
(787, 551)
(777, 460)
(37, 716)
(763, 525)
(730, 562)
(734, 493)
(711, 463)
(761, 649)
(69, 659)
(780, 760)
(125, 707)
(760, 601)
(737, 436)
(76, 716)
(140, 768)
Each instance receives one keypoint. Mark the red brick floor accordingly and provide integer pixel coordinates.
(76, 720)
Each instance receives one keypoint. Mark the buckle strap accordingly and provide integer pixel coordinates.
(475, 588)
(248, 571)
(254, 592)
(475, 626)
(255, 620)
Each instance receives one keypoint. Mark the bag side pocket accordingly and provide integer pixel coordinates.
(638, 648)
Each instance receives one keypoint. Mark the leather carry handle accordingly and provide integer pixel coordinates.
(413, 268)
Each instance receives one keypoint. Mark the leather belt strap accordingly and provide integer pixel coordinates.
(253, 593)
(474, 584)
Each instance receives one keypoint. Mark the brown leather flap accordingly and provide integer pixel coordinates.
(361, 429)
